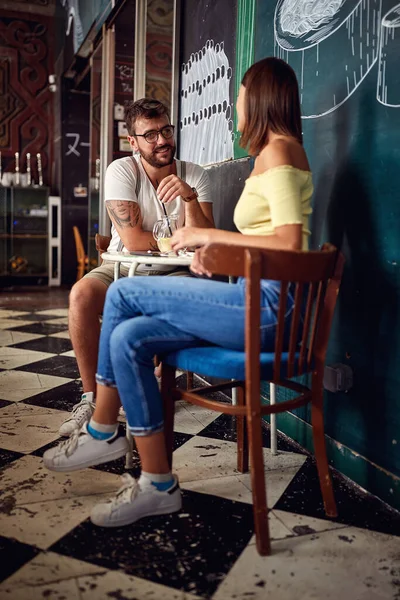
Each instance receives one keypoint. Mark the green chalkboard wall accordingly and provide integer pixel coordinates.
(348, 68)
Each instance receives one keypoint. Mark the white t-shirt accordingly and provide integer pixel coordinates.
(126, 179)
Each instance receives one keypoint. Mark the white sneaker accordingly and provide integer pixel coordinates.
(134, 500)
(82, 450)
(81, 413)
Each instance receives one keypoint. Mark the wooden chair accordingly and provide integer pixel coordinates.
(316, 278)
(81, 256)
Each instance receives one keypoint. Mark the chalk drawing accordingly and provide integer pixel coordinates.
(303, 37)
(74, 19)
(388, 85)
(206, 125)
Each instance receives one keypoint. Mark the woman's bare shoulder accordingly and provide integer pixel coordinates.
(282, 151)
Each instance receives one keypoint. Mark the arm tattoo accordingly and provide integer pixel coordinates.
(123, 213)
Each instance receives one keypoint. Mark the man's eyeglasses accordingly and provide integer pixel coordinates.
(152, 136)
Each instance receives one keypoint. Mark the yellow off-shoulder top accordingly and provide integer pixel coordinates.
(279, 196)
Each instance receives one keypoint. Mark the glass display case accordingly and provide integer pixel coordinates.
(24, 235)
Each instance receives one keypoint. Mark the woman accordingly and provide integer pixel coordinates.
(146, 317)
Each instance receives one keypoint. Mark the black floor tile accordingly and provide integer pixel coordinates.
(40, 451)
(57, 366)
(192, 550)
(13, 555)
(355, 507)
(35, 317)
(46, 344)
(224, 428)
(63, 397)
(117, 467)
(4, 402)
(7, 456)
(43, 328)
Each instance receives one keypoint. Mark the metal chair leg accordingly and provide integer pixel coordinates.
(129, 454)
(272, 400)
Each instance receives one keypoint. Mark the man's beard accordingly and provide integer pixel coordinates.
(156, 160)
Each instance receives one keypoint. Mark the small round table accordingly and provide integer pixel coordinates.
(141, 259)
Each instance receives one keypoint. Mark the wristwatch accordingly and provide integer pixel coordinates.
(192, 196)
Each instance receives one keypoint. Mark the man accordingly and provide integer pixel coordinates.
(136, 188)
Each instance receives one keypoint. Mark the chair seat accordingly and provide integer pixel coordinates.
(214, 361)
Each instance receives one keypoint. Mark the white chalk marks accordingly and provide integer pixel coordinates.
(388, 88)
(333, 45)
(206, 126)
(74, 22)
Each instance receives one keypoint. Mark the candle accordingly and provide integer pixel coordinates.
(17, 168)
(39, 166)
(28, 168)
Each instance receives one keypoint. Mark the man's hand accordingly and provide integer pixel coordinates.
(191, 237)
(196, 265)
(171, 187)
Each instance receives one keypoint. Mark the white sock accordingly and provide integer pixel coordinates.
(100, 431)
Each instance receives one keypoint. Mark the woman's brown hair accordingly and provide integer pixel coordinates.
(271, 103)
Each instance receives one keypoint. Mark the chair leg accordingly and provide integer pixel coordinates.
(129, 454)
(189, 380)
(167, 383)
(317, 420)
(260, 508)
(241, 434)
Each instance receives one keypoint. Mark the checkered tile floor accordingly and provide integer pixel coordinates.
(49, 549)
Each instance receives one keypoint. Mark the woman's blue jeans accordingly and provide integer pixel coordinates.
(144, 316)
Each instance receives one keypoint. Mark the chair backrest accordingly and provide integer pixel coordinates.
(314, 278)
(80, 251)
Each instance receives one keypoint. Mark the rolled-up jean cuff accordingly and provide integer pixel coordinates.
(144, 431)
(106, 382)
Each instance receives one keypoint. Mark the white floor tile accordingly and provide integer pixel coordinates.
(8, 337)
(19, 385)
(10, 323)
(113, 584)
(350, 564)
(276, 480)
(39, 506)
(48, 570)
(27, 481)
(301, 524)
(205, 458)
(25, 428)
(7, 314)
(55, 573)
(43, 523)
(66, 590)
(229, 487)
(49, 567)
(12, 358)
(57, 312)
(64, 335)
(70, 353)
(57, 321)
(188, 421)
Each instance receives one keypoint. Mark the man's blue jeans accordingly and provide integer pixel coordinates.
(147, 316)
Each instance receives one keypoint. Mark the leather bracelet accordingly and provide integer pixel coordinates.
(193, 196)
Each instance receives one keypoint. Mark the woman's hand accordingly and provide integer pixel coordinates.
(191, 237)
(197, 266)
